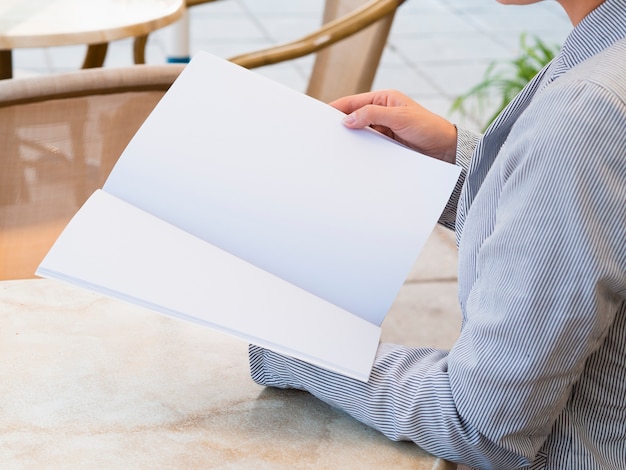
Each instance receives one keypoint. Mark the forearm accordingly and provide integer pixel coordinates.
(408, 397)
(492, 400)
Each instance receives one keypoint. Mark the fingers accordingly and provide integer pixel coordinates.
(368, 115)
(387, 98)
(350, 103)
(374, 108)
(393, 118)
(399, 117)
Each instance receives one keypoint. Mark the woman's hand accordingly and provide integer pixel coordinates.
(399, 117)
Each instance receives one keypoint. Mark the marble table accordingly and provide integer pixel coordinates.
(91, 382)
(45, 23)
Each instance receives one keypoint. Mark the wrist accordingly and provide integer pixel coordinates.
(449, 152)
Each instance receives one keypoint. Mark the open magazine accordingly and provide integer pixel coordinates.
(248, 207)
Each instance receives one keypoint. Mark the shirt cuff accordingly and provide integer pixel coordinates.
(466, 142)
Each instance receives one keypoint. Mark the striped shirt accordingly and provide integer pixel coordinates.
(537, 378)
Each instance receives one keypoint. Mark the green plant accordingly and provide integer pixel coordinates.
(506, 79)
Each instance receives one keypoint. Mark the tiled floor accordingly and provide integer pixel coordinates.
(437, 50)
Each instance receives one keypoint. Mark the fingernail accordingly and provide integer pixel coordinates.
(349, 120)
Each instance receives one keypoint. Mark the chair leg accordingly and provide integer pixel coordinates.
(139, 49)
(6, 63)
(96, 53)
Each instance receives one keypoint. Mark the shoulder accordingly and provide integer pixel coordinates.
(571, 138)
(606, 70)
(580, 118)
(589, 89)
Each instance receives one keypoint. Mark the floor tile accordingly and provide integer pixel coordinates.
(424, 315)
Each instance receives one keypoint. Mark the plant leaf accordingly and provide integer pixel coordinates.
(506, 79)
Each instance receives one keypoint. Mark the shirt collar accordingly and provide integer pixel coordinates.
(602, 27)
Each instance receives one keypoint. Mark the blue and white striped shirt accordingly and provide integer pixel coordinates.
(537, 378)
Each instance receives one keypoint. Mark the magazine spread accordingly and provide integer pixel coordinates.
(246, 206)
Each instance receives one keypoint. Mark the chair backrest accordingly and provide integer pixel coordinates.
(348, 47)
(60, 135)
(349, 66)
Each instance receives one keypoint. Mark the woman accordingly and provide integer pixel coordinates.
(537, 378)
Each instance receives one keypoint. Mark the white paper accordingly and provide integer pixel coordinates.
(116, 249)
(246, 206)
(272, 176)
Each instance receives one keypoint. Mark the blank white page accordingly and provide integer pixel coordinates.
(118, 250)
(271, 175)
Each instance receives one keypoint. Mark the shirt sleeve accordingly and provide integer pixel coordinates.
(466, 142)
(548, 283)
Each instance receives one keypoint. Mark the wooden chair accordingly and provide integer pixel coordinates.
(60, 135)
(357, 30)
(348, 47)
